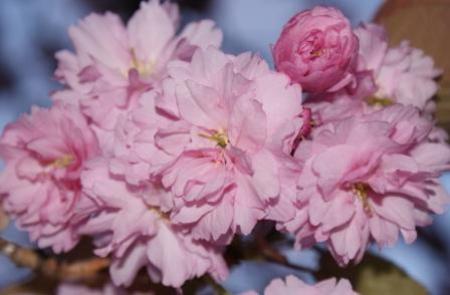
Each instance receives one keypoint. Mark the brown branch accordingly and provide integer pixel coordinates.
(4, 220)
(84, 270)
(92, 269)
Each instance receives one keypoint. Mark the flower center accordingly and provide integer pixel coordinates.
(145, 69)
(219, 137)
(379, 101)
(313, 46)
(361, 190)
(63, 162)
(316, 53)
(162, 215)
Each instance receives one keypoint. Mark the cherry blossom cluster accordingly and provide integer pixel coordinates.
(162, 148)
(371, 158)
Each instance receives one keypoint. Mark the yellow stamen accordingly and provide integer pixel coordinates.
(219, 137)
(316, 53)
(162, 215)
(379, 101)
(63, 162)
(144, 68)
(361, 191)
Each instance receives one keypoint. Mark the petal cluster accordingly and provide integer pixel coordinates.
(227, 165)
(131, 225)
(293, 285)
(44, 153)
(383, 181)
(371, 157)
(113, 62)
(402, 74)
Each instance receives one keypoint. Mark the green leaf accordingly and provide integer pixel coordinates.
(373, 276)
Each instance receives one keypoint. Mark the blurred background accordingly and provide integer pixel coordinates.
(31, 31)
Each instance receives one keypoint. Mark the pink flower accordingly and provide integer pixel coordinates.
(367, 178)
(228, 166)
(113, 63)
(132, 225)
(402, 74)
(317, 49)
(293, 285)
(44, 153)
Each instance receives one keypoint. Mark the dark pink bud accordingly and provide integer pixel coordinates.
(317, 49)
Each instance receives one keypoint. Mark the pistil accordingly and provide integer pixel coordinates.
(219, 137)
(63, 162)
(379, 101)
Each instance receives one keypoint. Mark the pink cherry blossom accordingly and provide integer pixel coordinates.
(317, 49)
(133, 225)
(402, 74)
(234, 122)
(44, 153)
(367, 178)
(292, 285)
(114, 63)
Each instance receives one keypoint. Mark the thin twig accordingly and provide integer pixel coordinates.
(85, 270)
(272, 255)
